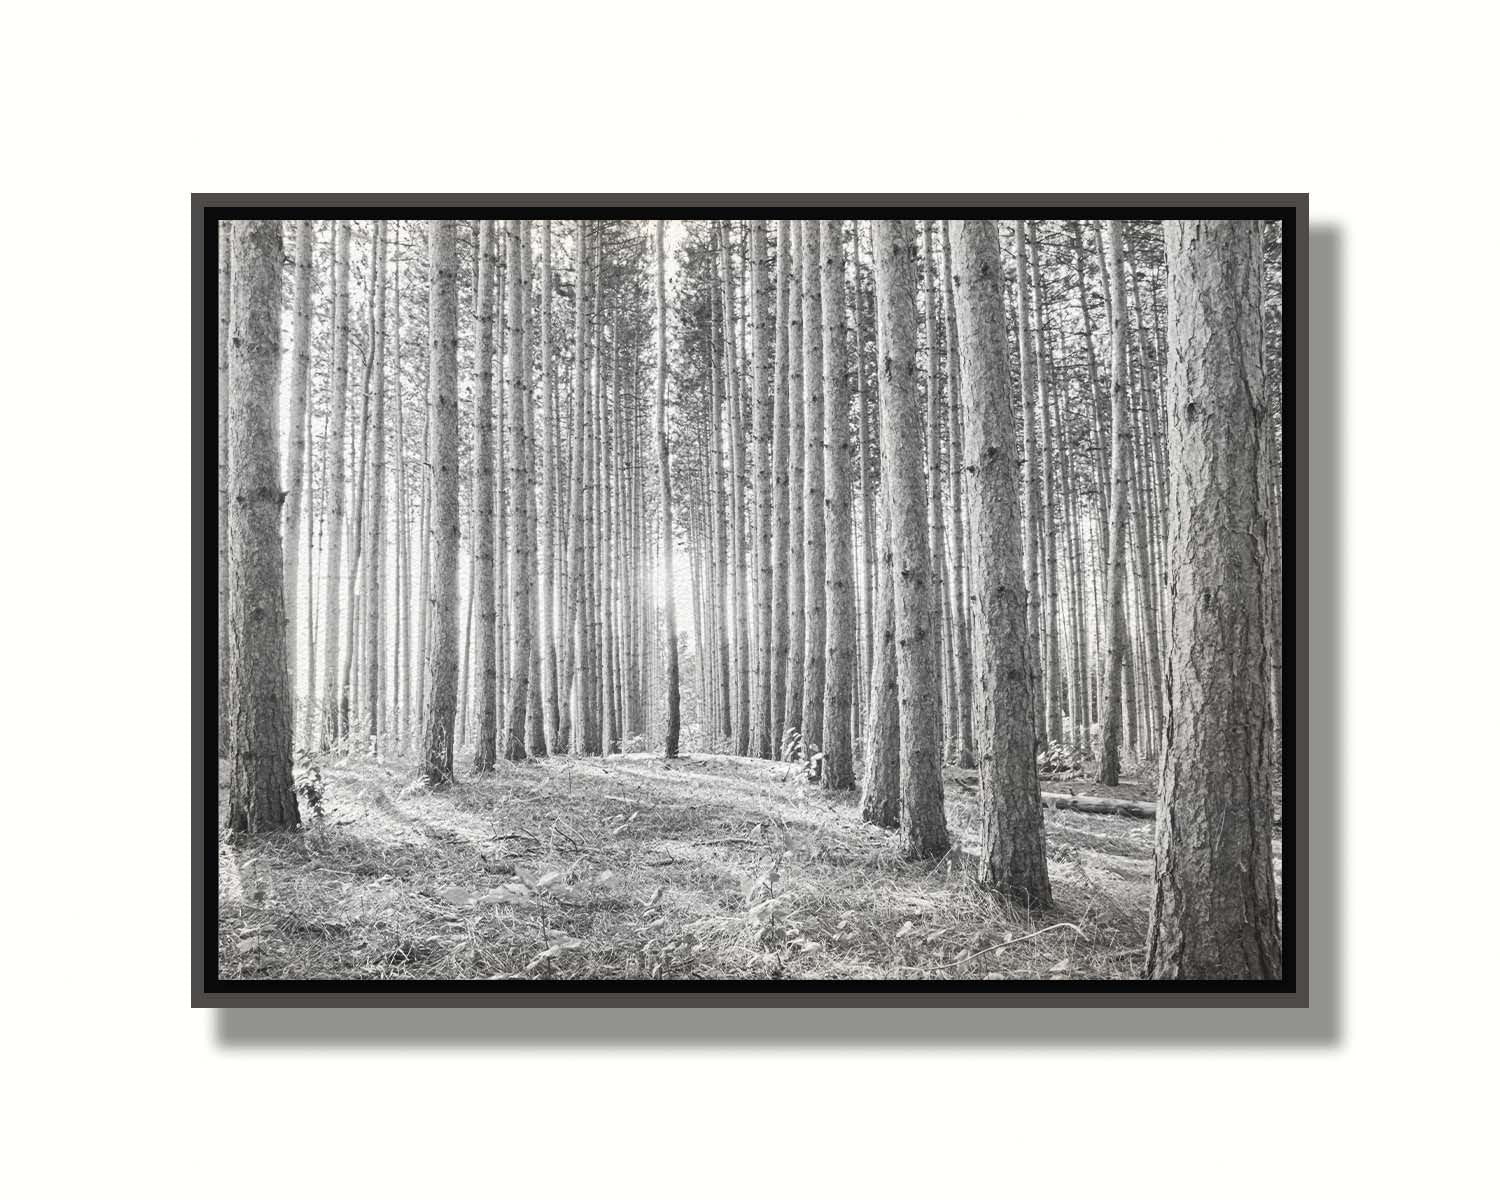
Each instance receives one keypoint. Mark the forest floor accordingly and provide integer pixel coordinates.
(633, 867)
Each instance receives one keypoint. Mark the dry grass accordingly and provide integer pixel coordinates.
(636, 868)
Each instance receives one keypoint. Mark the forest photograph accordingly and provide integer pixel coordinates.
(748, 597)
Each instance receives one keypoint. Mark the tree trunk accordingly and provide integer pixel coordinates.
(780, 483)
(763, 392)
(1213, 906)
(796, 582)
(738, 602)
(522, 539)
(838, 748)
(291, 512)
(483, 583)
(815, 583)
(225, 254)
(924, 833)
(546, 530)
(958, 592)
(334, 538)
(1031, 483)
(674, 716)
(260, 698)
(1014, 839)
(1120, 462)
(442, 650)
(375, 567)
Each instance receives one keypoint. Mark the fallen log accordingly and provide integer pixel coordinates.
(1117, 805)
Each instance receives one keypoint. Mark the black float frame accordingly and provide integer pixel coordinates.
(208, 991)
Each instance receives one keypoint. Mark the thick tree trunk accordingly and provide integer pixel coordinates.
(924, 832)
(1213, 908)
(442, 651)
(838, 747)
(260, 698)
(1014, 839)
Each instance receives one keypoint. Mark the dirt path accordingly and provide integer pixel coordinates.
(708, 867)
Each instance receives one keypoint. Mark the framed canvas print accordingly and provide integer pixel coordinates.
(761, 600)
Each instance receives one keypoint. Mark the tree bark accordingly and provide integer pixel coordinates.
(1120, 464)
(334, 539)
(225, 254)
(780, 483)
(796, 582)
(1014, 839)
(838, 748)
(546, 531)
(814, 586)
(291, 512)
(924, 832)
(483, 502)
(762, 336)
(261, 798)
(375, 566)
(1213, 907)
(1031, 481)
(442, 651)
(674, 714)
(522, 539)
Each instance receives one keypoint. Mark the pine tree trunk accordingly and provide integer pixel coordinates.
(866, 485)
(762, 336)
(442, 651)
(958, 591)
(291, 511)
(225, 254)
(796, 480)
(815, 584)
(838, 747)
(674, 715)
(547, 527)
(739, 622)
(924, 832)
(1031, 480)
(934, 443)
(1213, 908)
(522, 609)
(780, 483)
(260, 700)
(1120, 463)
(334, 539)
(881, 802)
(1014, 839)
(375, 569)
(483, 502)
